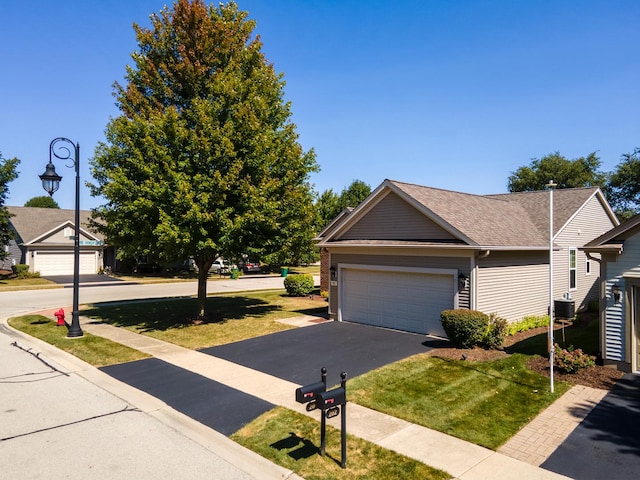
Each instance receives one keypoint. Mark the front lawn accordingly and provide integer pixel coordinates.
(233, 317)
(292, 440)
(95, 350)
(482, 402)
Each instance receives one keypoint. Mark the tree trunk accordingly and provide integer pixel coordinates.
(203, 276)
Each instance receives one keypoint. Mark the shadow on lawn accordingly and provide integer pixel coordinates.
(160, 315)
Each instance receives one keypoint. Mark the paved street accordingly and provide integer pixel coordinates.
(61, 418)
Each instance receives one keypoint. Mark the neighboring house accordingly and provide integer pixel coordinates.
(408, 252)
(44, 240)
(619, 250)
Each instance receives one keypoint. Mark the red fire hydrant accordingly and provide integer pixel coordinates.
(60, 316)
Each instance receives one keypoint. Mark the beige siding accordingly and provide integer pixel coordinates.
(394, 219)
(590, 222)
(461, 264)
(513, 285)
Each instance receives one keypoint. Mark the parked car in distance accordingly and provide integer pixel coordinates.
(251, 267)
(221, 266)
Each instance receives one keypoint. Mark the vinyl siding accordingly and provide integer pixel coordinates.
(394, 219)
(590, 222)
(513, 284)
(461, 264)
(627, 264)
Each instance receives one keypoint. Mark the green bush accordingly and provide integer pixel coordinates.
(571, 360)
(528, 323)
(465, 328)
(299, 285)
(22, 271)
(495, 332)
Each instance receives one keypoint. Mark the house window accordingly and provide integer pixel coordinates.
(572, 269)
(588, 267)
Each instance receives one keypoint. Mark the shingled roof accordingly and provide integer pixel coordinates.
(32, 222)
(503, 220)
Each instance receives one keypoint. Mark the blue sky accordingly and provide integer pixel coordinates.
(451, 94)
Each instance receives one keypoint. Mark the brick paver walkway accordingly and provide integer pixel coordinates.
(540, 438)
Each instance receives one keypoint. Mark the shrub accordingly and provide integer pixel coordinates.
(528, 323)
(299, 285)
(465, 328)
(22, 271)
(571, 360)
(495, 332)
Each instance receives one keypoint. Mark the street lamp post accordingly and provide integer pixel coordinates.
(51, 182)
(551, 185)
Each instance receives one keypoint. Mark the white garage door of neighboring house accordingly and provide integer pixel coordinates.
(409, 301)
(51, 264)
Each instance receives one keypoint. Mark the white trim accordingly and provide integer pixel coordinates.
(575, 267)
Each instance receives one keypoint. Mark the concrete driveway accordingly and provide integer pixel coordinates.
(607, 442)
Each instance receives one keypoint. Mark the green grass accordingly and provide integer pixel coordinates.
(13, 284)
(97, 351)
(292, 440)
(482, 402)
(234, 317)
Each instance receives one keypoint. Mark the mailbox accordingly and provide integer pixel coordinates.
(332, 398)
(308, 393)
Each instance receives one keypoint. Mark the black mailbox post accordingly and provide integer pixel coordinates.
(315, 395)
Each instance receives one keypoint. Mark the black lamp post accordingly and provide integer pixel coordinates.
(51, 182)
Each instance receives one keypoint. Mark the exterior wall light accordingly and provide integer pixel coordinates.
(462, 281)
(333, 273)
(617, 293)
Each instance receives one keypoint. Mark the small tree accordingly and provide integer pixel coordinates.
(44, 201)
(623, 191)
(8, 173)
(580, 172)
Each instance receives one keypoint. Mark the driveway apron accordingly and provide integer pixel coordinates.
(607, 442)
(297, 355)
(211, 403)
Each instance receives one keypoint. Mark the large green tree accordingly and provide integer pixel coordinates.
(8, 173)
(623, 190)
(204, 159)
(44, 201)
(580, 172)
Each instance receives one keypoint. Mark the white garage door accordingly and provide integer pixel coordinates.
(400, 300)
(51, 264)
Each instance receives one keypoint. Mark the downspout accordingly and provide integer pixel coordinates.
(474, 279)
(602, 307)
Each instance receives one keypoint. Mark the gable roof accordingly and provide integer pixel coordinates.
(613, 240)
(32, 223)
(516, 220)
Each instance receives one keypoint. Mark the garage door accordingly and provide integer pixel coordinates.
(51, 264)
(400, 300)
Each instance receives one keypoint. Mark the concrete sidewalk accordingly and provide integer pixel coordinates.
(463, 460)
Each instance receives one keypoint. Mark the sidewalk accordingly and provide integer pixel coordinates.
(63, 418)
(463, 460)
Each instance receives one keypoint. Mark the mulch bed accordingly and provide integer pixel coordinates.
(595, 377)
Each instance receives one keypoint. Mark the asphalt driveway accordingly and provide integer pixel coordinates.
(607, 442)
(297, 355)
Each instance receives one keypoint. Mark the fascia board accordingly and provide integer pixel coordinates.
(384, 189)
(373, 199)
(604, 204)
(63, 225)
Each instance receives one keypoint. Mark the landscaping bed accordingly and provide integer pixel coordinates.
(596, 377)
